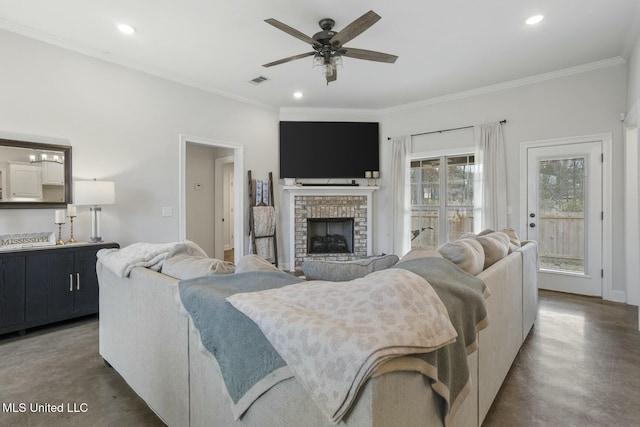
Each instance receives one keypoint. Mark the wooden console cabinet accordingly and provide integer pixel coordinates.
(48, 284)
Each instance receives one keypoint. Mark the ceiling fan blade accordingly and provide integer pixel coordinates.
(369, 55)
(356, 28)
(333, 77)
(291, 58)
(292, 31)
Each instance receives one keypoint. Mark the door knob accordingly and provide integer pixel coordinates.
(532, 225)
(532, 215)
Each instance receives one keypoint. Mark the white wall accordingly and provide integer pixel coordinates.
(633, 82)
(632, 183)
(123, 126)
(581, 104)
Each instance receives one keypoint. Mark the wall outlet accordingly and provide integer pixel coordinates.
(167, 211)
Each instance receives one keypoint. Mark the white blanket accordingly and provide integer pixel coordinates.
(149, 255)
(333, 335)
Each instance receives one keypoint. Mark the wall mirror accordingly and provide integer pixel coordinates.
(34, 175)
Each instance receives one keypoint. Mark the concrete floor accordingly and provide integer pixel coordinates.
(580, 366)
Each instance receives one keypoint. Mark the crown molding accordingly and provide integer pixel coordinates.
(329, 111)
(592, 66)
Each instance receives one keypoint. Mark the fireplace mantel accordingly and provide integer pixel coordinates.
(331, 192)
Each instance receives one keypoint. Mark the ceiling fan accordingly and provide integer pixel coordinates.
(328, 45)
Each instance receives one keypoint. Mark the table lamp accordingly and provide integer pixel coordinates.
(94, 193)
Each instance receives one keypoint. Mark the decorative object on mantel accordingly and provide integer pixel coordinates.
(71, 213)
(367, 175)
(60, 219)
(94, 193)
(27, 240)
(376, 177)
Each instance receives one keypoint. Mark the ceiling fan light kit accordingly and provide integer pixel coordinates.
(329, 46)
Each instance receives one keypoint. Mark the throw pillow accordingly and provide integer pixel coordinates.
(340, 271)
(254, 263)
(421, 253)
(465, 253)
(183, 266)
(495, 247)
(513, 239)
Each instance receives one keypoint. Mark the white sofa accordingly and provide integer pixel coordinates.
(149, 340)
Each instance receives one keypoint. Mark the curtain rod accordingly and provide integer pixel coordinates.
(447, 130)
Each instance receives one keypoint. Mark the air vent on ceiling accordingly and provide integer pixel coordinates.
(258, 80)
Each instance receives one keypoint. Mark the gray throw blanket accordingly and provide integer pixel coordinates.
(245, 356)
(463, 295)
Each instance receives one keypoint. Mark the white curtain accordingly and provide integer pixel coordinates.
(490, 190)
(400, 189)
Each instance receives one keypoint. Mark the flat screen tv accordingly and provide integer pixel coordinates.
(328, 149)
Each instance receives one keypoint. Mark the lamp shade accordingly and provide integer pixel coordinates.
(94, 193)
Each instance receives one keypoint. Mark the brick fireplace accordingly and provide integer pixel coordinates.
(336, 207)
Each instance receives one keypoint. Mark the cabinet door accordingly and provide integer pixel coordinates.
(37, 273)
(60, 304)
(86, 285)
(12, 291)
(52, 173)
(50, 287)
(25, 181)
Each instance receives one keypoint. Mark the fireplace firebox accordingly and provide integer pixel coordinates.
(330, 235)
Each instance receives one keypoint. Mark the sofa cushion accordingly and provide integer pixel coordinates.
(421, 253)
(340, 271)
(495, 246)
(183, 266)
(514, 240)
(465, 253)
(254, 263)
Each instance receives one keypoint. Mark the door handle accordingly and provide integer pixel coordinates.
(532, 225)
(77, 281)
(70, 282)
(532, 215)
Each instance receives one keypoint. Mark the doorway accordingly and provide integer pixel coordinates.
(564, 211)
(234, 160)
(225, 226)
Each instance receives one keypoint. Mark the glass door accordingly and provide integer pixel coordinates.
(565, 215)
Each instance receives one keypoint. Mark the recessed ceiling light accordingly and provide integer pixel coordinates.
(297, 94)
(534, 19)
(126, 28)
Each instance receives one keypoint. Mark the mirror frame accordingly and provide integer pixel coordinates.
(66, 149)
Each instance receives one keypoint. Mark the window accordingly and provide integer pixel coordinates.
(441, 199)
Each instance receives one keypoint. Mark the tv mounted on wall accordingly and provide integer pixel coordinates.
(328, 149)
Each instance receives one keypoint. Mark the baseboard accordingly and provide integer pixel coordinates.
(618, 296)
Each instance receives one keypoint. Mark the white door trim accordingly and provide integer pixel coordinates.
(238, 185)
(220, 214)
(607, 201)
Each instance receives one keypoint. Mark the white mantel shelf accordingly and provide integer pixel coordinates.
(305, 190)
